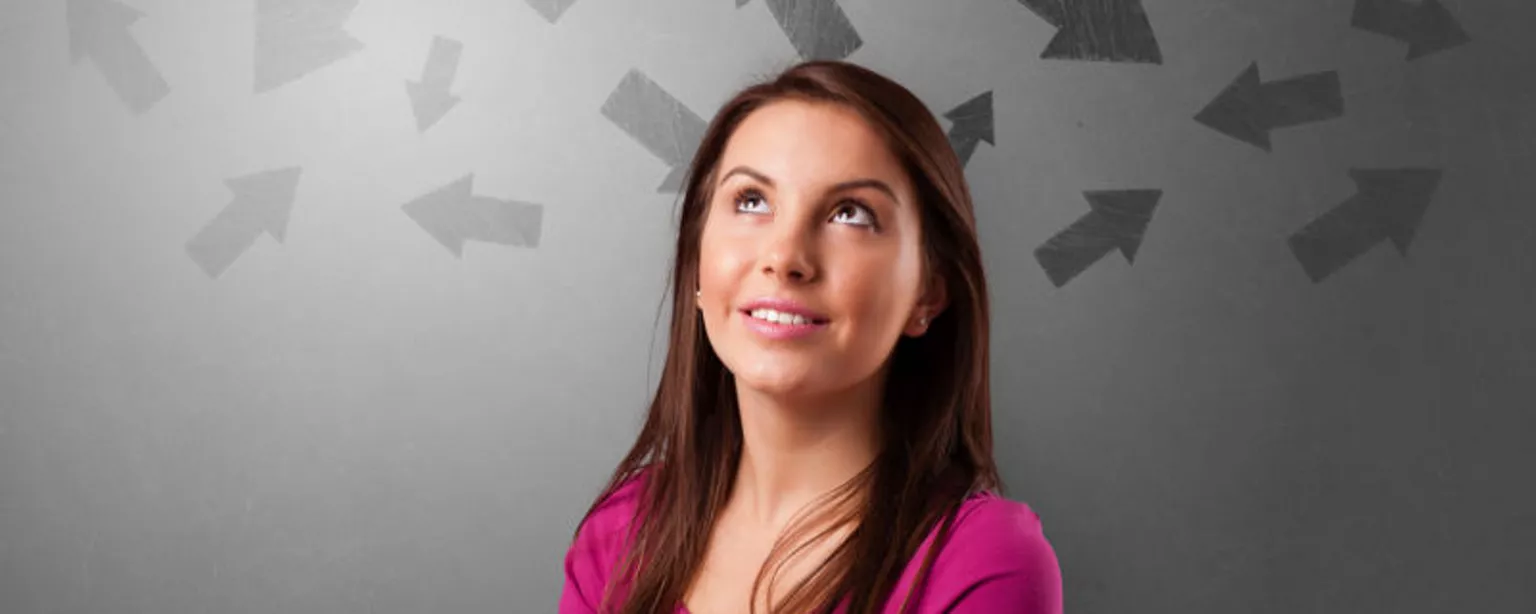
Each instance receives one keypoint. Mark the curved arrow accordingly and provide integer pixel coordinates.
(1428, 27)
(1248, 109)
(1118, 220)
(1387, 206)
(430, 97)
(1098, 30)
(261, 204)
(297, 37)
(99, 29)
(454, 215)
(972, 124)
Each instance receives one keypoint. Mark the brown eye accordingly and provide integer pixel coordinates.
(855, 213)
(749, 197)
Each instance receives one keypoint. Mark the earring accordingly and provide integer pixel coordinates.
(922, 321)
(697, 293)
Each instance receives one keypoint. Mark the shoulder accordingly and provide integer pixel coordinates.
(997, 559)
(601, 540)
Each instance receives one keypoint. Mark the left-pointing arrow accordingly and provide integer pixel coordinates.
(261, 204)
(1249, 108)
(99, 29)
(453, 215)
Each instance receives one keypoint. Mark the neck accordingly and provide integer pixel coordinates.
(795, 450)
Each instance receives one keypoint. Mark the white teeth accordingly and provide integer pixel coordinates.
(778, 317)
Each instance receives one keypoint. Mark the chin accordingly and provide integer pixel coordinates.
(776, 377)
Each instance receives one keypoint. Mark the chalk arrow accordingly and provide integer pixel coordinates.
(261, 204)
(1248, 109)
(453, 215)
(297, 37)
(659, 122)
(1387, 206)
(1117, 220)
(99, 29)
(972, 124)
(429, 96)
(1428, 27)
(1098, 30)
(551, 10)
(818, 29)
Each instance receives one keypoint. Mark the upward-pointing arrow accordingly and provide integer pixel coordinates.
(1427, 27)
(297, 37)
(1117, 221)
(99, 29)
(972, 124)
(261, 204)
(430, 97)
(1388, 205)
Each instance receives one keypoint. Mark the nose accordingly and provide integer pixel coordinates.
(788, 254)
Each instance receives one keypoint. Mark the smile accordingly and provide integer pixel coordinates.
(779, 325)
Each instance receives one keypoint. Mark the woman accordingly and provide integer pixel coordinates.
(821, 436)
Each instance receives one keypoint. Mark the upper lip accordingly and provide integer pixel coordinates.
(784, 305)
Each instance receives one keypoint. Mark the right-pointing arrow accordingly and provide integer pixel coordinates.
(1098, 30)
(454, 214)
(659, 122)
(99, 29)
(972, 124)
(1118, 220)
(430, 97)
(1249, 108)
(297, 37)
(261, 204)
(1388, 205)
(1427, 26)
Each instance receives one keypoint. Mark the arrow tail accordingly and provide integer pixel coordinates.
(442, 64)
(1336, 238)
(504, 222)
(655, 119)
(1301, 100)
(818, 29)
(129, 72)
(1070, 252)
(225, 238)
(964, 145)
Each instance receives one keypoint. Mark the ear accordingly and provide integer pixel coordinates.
(934, 301)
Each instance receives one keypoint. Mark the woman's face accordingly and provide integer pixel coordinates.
(810, 209)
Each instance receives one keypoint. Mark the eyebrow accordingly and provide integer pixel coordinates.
(846, 185)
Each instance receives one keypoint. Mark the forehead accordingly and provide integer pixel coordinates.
(812, 144)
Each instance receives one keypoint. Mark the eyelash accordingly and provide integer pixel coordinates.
(874, 222)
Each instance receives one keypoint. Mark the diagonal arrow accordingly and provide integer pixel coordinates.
(261, 204)
(1098, 30)
(1387, 205)
(99, 29)
(453, 215)
(1249, 108)
(819, 29)
(297, 37)
(972, 124)
(1118, 220)
(430, 98)
(1428, 27)
(659, 122)
(551, 10)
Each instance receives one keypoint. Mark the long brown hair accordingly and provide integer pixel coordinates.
(936, 445)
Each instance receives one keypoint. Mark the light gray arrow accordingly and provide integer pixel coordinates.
(819, 29)
(430, 97)
(659, 122)
(297, 37)
(261, 204)
(550, 9)
(972, 125)
(453, 215)
(99, 29)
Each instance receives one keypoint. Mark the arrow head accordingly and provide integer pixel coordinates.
(1239, 110)
(1051, 11)
(1427, 27)
(430, 104)
(551, 10)
(1122, 216)
(297, 37)
(91, 20)
(1398, 198)
(973, 119)
(269, 195)
(425, 211)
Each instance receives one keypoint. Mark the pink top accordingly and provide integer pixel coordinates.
(997, 560)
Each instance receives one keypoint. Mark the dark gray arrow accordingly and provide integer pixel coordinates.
(550, 9)
(659, 122)
(1428, 27)
(1388, 205)
(261, 204)
(819, 29)
(1118, 220)
(1248, 108)
(453, 215)
(99, 29)
(430, 97)
(972, 125)
(1098, 30)
(297, 37)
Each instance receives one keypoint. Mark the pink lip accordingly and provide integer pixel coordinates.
(777, 331)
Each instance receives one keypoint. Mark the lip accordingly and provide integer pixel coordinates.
(775, 330)
(784, 305)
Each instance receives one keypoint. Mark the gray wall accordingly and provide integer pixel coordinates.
(247, 365)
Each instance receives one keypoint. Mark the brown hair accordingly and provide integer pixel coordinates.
(936, 446)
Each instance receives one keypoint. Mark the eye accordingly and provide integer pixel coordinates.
(859, 213)
(749, 197)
